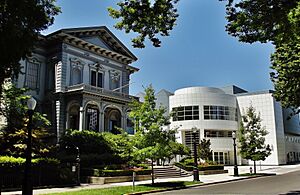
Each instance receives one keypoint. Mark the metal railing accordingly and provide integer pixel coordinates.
(98, 90)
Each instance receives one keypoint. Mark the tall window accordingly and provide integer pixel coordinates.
(97, 79)
(92, 119)
(185, 113)
(76, 76)
(32, 74)
(188, 141)
(114, 79)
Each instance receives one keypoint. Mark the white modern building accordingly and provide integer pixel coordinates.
(216, 113)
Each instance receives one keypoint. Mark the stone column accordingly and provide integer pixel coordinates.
(67, 119)
(81, 118)
(60, 117)
(100, 121)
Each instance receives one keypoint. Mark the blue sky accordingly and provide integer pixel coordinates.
(197, 53)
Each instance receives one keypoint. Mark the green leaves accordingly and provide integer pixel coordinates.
(12, 136)
(258, 20)
(20, 24)
(275, 21)
(286, 65)
(146, 19)
(152, 140)
(204, 150)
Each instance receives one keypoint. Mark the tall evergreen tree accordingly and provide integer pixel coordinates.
(252, 137)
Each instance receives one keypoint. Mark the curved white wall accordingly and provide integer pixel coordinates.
(202, 96)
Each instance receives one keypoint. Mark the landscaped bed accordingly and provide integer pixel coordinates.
(204, 168)
(98, 176)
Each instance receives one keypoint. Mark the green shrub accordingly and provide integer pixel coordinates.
(90, 172)
(9, 161)
(45, 171)
(200, 167)
(96, 149)
(185, 167)
(144, 166)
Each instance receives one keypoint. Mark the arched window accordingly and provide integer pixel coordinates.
(92, 118)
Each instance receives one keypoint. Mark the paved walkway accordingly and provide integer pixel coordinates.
(204, 178)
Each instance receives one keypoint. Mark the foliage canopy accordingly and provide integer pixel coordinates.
(14, 134)
(146, 19)
(204, 150)
(276, 21)
(20, 24)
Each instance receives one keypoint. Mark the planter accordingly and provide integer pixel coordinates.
(117, 179)
(211, 172)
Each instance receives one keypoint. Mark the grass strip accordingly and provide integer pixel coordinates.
(128, 189)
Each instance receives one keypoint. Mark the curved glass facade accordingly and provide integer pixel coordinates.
(185, 113)
(219, 113)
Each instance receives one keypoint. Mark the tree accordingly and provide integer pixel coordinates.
(14, 134)
(20, 24)
(286, 65)
(204, 150)
(96, 148)
(278, 22)
(252, 137)
(151, 140)
(147, 19)
(275, 21)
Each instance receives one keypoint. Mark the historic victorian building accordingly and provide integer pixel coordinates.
(80, 78)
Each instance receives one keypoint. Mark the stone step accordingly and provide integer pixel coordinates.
(169, 172)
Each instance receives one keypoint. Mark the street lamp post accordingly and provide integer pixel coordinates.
(235, 169)
(27, 179)
(195, 171)
(78, 165)
(77, 161)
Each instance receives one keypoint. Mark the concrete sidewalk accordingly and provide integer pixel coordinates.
(204, 178)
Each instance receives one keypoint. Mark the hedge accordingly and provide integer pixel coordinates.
(200, 167)
(112, 173)
(45, 172)
(211, 167)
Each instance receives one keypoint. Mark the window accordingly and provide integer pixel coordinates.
(114, 80)
(221, 157)
(93, 78)
(32, 74)
(76, 76)
(219, 113)
(217, 133)
(96, 79)
(189, 139)
(185, 113)
(92, 119)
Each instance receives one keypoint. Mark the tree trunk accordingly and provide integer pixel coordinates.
(254, 167)
(152, 172)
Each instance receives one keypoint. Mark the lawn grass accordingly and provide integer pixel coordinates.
(257, 174)
(128, 189)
